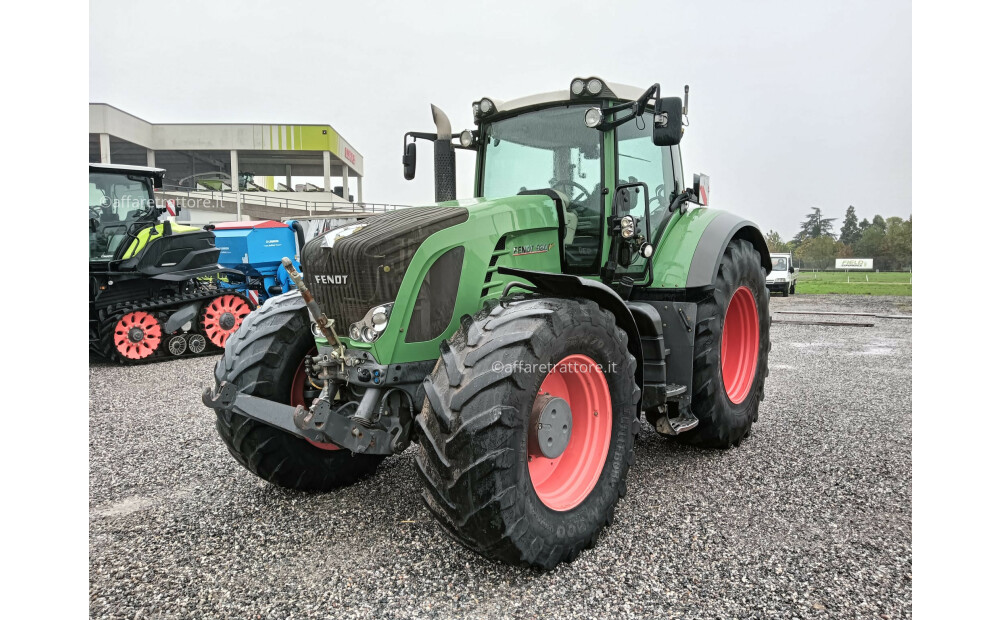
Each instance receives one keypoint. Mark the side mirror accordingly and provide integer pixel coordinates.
(410, 161)
(667, 126)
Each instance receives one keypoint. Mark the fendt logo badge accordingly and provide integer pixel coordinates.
(521, 250)
(331, 279)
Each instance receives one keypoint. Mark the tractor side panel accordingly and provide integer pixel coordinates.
(521, 231)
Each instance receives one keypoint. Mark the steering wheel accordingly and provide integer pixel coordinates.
(661, 199)
(577, 198)
(661, 195)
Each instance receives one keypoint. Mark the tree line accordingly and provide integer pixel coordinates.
(816, 246)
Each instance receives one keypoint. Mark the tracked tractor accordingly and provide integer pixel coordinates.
(517, 337)
(153, 288)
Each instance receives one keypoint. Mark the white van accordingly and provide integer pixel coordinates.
(782, 276)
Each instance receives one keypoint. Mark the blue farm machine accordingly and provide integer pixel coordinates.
(255, 249)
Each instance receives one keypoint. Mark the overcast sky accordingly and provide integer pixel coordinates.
(793, 104)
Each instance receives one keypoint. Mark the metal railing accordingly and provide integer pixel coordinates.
(262, 199)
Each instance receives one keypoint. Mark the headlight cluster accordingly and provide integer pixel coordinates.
(373, 325)
(590, 87)
(483, 107)
(628, 227)
(779, 279)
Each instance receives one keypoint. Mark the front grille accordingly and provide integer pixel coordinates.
(366, 269)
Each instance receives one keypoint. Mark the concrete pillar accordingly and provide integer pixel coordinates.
(234, 179)
(359, 196)
(288, 177)
(105, 148)
(326, 171)
(344, 179)
(151, 158)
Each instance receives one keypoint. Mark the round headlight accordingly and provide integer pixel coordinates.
(576, 87)
(368, 334)
(486, 106)
(628, 227)
(465, 138)
(593, 117)
(379, 319)
(355, 331)
(595, 86)
(646, 250)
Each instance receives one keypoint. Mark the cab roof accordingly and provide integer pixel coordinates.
(612, 90)
(153, 172)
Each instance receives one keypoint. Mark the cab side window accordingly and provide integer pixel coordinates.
(641, 160)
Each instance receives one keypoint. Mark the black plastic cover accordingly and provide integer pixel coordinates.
(350, 275)
(436, 298)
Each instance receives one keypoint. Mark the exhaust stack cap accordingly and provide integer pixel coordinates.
(442, 123)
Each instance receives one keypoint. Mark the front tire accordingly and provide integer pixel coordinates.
(484, 477)
(264, 358)
(732, 342)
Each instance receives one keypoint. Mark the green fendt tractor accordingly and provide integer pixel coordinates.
(518, 336)
(152, 290)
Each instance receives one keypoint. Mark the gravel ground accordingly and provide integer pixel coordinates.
(809, 518)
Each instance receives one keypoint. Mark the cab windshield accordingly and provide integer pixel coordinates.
(779, 263)
(117, 200)
(553, 149)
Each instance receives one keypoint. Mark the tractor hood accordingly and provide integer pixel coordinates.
(356, 267)
(384, 259)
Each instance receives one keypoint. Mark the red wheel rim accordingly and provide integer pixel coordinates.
(740, 344)
(564, 482)
(298, 397)
(223, 316)
(137, 335)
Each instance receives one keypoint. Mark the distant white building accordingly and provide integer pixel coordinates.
(209, 155)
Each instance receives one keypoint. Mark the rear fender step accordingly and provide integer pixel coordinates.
(685, 421)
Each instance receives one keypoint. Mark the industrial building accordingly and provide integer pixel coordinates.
(268, 161)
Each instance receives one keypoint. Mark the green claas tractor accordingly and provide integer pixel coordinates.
(153, 291)
(516, 337)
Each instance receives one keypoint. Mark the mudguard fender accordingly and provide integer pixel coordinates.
(570, 286)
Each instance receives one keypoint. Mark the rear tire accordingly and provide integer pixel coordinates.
(727, 403)
(262, 358)
(474, 431)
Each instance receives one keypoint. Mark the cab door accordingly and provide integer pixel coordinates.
(638, 160)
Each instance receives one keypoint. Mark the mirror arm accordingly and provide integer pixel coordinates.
(419, 134)
(635, 106)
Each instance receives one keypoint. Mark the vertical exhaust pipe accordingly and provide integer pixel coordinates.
(444, 158)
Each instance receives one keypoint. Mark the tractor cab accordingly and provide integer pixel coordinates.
(121, 200)
(607, 154)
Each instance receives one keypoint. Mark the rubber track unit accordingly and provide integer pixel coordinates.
(109, 317)
(472, 430)
(261, 358)
(722, 424)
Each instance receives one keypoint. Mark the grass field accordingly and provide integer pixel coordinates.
(861, 283)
